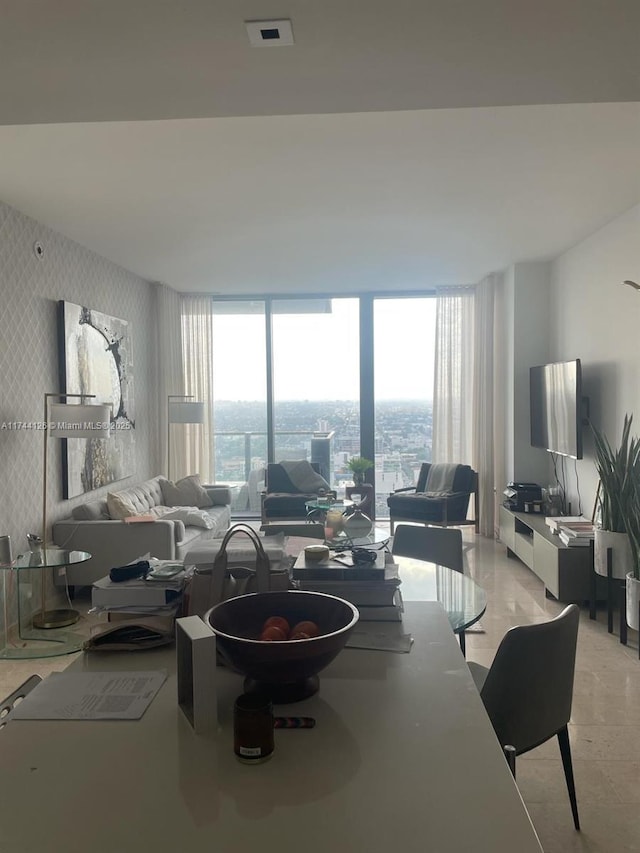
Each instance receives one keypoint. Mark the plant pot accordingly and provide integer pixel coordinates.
(633, 597)
(622, 560)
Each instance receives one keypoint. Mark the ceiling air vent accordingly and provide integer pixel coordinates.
(269, 33)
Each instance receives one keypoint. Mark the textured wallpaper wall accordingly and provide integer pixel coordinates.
(29, 291)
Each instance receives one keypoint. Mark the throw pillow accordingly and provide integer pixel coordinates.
(186, 492)
(120, 505)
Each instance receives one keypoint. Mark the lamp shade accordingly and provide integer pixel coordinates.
(186, 412)
(79, 420)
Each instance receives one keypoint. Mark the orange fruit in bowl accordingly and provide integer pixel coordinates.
(277, 622)
(308, 628)
(273, 634)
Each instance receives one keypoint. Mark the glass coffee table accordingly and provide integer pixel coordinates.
(378, 537)
(318, 508)
(29, 634)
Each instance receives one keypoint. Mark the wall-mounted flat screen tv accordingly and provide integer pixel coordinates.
(556, 407)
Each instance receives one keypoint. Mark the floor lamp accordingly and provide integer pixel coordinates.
(180, 410)
(64, 420)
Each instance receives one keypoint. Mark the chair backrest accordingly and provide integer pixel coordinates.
(277, 479)
(8, 703)
(441, 545)
(529, 687)
(464, 480)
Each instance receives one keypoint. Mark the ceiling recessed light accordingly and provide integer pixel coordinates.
(269, 33)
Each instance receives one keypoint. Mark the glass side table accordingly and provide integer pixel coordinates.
(29, 634)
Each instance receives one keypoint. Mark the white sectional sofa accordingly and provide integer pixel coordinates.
(115, 542)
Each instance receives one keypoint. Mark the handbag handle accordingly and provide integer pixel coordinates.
(220, 563)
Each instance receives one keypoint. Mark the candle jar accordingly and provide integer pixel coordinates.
(334, 521)
(253, 728)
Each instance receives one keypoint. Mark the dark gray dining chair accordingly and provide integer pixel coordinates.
(528, 689)
(7, 704)
(441, 545)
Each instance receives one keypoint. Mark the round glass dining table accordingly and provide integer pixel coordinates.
(463, 600)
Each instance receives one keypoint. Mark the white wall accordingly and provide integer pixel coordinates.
(526, 336)
(30, 289)
(597, 319)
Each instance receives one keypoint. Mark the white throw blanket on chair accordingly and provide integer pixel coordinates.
(440, 478)
(303, 476)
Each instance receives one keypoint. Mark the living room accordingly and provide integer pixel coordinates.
(546, 195)
(557, 213)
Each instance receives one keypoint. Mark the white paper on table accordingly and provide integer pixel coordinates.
(91, 696)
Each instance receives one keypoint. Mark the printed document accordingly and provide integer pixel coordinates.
(91, 696)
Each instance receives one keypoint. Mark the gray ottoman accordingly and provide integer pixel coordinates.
(240, 552)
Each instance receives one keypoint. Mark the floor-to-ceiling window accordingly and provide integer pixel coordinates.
(316, 384)
(289, 384)
(240, 399)
(403, 336)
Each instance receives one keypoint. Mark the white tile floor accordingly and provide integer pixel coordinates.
(605, 727)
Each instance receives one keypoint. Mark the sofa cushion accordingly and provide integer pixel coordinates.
(185, 492)
(120, 506)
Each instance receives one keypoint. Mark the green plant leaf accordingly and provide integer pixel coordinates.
(619, 493)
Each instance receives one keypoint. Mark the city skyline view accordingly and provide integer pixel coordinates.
(403, 442)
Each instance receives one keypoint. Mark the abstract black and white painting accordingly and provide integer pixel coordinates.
(96, 358)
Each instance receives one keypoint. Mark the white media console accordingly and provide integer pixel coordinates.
(564, 571)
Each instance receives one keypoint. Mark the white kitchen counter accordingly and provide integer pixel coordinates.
(402, 757)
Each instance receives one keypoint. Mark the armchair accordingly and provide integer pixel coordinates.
(288, 485)
(440, 497)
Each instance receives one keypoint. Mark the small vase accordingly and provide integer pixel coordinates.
(357, 525)
(633, 597)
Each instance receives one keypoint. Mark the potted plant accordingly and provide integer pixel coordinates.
(632, 524)
(358, 466)
(619, 472)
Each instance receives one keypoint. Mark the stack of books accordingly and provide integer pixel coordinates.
(553, 522)
(576, 534)
(139, 597)
(374, 588)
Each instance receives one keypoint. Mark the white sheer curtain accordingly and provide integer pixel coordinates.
(197, 349)
(487, 400)
(170, 375)
(468, 397)
(453, 398)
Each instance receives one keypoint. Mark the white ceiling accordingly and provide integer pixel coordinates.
(393, 146)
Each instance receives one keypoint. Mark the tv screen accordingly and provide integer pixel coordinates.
(556, 408)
